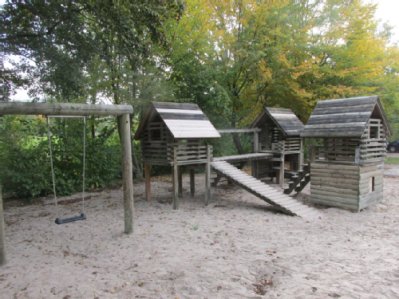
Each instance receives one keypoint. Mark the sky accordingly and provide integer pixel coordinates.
(387, 11)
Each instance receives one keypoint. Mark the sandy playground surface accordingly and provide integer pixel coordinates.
(236, 247)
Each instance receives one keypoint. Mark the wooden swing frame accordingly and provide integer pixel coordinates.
(122, 112)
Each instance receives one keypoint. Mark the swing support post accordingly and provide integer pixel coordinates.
(127, 172)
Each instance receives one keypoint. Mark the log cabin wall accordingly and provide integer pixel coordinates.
(154, 143)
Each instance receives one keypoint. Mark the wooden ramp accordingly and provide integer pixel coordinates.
(265, 192)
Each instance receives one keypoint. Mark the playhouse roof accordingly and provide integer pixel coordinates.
(344, 117)
(284, 119)
(184, 120)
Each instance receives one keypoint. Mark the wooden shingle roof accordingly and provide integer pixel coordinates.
(344, 117)
(284, 119)
(184, 120)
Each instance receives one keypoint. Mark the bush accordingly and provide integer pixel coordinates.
(25, 160)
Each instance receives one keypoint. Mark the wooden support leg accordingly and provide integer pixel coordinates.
(147, 175)
(254, 169)
(127, 173)
(300, 158)
(192, 182)
(2, 236)
(175, 180)
(281, 172)
(208, 176)
(175, 187)
(180, 182)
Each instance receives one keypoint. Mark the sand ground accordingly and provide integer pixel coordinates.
(236, 247)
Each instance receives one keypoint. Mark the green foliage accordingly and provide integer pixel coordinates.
(248, 54)
(25, 160)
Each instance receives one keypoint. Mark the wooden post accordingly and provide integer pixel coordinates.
(175, 179)
(180, 179)
(300, 158)
(281, 172)
(208, 174)
(124, 124)
(192, 182)
(254, 168)
(2, 235)
(147, 175)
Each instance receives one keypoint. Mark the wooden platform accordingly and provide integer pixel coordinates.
(263, 191)
(245, 157)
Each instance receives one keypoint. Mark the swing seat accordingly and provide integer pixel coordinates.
(82, 216)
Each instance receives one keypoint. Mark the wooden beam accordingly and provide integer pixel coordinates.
(127, 172)
(2, 235)
(66, 109)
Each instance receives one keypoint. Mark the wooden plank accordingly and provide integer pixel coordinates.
(239, 130)
(331, 132)
(66, 109)
(165, 105)
(351, 189)
(127, 172)
(181, 116)
(2, 234)
(253, 156)
(330, 202)
(348, 102)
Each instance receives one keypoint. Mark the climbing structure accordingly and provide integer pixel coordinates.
(176, 134)
(279, 135)
(347, 167)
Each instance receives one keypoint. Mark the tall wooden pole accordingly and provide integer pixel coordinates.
(2, 236)
(128, 202)
(175, 176)
(208, 174)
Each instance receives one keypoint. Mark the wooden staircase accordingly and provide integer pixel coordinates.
(298, 180)
(265, 192)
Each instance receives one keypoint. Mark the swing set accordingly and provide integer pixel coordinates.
(122, 112)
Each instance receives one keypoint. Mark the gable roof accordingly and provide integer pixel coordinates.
(344, 117)
(283, 118)
(184, 120)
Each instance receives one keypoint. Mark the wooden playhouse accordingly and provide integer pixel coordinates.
(347, 168)
(279, 134)
(175, 134)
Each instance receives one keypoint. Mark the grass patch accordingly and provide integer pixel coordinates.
(392, 160)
